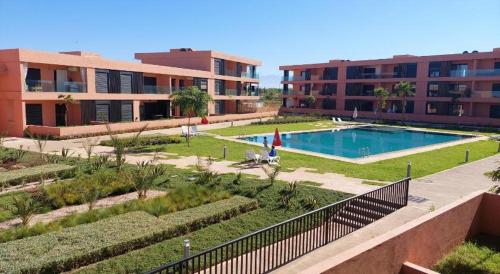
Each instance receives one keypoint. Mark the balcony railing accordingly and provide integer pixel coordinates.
(157, 89)
(293, 78)
(486, 94)
(474, 73)
(249, 75)
(55, 86)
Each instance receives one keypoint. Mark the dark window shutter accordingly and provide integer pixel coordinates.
(125, 82)
(34, 114)
(127, 111)
(101, 81)
(138, 82)
(102, 110)
(114, 81)
(88, 111)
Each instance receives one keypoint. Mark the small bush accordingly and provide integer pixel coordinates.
(16, 177)
(85, 244)
(150, 140)
(288, 120)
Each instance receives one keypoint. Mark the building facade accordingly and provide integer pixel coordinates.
(452, 88)
(125, 94)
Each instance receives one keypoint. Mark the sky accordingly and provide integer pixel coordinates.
(275, 32)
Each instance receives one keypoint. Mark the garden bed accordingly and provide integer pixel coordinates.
(479, 255)
(18, 176)
(85, 244)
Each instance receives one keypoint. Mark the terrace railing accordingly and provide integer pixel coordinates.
(268, 249)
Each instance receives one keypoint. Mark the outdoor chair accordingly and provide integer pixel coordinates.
(194, 130)
(185, 131)
(264, 156)
(252, 156)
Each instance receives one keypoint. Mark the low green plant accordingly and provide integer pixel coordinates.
(309, 202)
(178, 199)
(16, 177)
(271, 172)
(288, 193)
(145, 176)
(24, 207)
(86, 244)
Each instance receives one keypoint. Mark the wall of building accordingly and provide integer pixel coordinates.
(423, 241)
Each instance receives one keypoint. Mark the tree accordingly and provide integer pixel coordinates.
(271, 95)
(404, 90)
(310, 100)
(192, 101)
(271, 173)
(381, 94)
(68, 100)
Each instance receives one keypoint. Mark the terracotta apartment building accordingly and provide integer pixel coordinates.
(125, 94)
(453, 88)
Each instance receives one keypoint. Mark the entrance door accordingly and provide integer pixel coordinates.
(60, 115)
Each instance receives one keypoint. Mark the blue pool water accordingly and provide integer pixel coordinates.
(359, 142)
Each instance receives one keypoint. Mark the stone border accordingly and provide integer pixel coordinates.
(363, 160)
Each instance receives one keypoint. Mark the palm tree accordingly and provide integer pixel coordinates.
(404, 90)
(381, 94)
(193, 102)
(68, 100)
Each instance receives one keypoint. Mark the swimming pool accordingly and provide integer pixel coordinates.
(359, 142)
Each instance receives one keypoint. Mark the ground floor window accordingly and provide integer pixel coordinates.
(495, 111)
(329, 104)
(360, 105)
(34, 114)
(219, 107)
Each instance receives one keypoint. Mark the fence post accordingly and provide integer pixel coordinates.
(408, 170)
(467, 154)
(327, 225)
(187, 247)
(498, 150)
(225, 151)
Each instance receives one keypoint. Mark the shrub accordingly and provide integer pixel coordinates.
(15, 177)
(178, 199)
(85, 244)
(288, 120)
(24, 207)
(150, 140)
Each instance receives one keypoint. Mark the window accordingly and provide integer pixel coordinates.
(101, 81)
(218, 66)
(330, 74)
(201, 83)
(102, 111)
(495, 111)
(431, 108)
(219, 107)
(219, 87)
(125, 82)
(34, 114)
(127, 111)
(360, 105)
(434, 69)
(329, 104)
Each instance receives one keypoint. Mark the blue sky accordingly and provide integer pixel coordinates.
(276, 32)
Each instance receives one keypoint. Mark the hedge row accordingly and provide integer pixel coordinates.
(85, 244)
(288, 120)
(18, 176)
(150, 140)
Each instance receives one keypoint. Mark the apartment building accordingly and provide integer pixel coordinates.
(124, 94)
(453, 88)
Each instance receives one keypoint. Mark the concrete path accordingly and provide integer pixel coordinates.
(426, 194)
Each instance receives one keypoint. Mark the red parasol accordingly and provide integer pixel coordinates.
(277, 138)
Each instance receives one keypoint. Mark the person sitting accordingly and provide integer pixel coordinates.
(273, 152)
(265, 143)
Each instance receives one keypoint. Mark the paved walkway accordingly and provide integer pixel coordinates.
(426, 194)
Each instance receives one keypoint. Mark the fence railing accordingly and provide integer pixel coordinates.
(267, 249)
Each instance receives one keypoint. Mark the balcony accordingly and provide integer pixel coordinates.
(474, 73)
(249, 75)
(293, 78)
(487, 94)
(157, 89)
(55, 86)
(235, 92)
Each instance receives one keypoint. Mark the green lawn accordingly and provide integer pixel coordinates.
(424, 163)
(256, 129)
(481, 255)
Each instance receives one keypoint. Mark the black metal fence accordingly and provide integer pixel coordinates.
(267, 249)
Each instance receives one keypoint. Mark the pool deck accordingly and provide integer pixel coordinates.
(362, 160)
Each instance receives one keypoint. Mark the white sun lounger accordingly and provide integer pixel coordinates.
(252, 156)
(270, 160)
